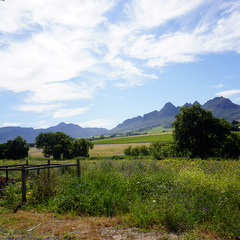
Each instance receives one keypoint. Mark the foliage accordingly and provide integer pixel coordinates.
(231, 148)
(44, 186)
(60, 145)
(179, 195)
(198, 133)
(53, 144)
(136, 151)
(235, 126)
(14, 149)
(81, 148)
(158, 150)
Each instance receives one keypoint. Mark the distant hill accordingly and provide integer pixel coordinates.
(29, 134)
(220, 107)
(164, 117)
(223, 108)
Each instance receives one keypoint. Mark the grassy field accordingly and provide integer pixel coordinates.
(99, 150)
(162, 137)
(106, 150)
(116, 146)
(191, 198)
(180, 198)
(159, 129)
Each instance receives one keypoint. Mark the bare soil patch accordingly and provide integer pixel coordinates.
(39, 225)
(35, 225)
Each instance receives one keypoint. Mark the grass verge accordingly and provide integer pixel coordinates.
(177, 195)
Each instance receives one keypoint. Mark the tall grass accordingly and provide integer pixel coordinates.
(179, 197)
(177, 194)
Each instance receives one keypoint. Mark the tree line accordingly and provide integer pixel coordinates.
(197, 134)
(14, 149)
(57, 145)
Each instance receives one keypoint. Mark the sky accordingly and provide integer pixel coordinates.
(96, 63)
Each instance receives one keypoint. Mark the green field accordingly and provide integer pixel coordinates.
(158, 129)
(161, 137)
(196, 199)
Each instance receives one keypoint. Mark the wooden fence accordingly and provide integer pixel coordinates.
(25, 168)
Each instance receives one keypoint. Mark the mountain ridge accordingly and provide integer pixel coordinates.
(29, 134)
(220, 107)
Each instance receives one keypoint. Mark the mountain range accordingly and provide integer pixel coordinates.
(220, 107)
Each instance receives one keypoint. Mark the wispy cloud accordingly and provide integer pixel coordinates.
(63, 113)
(49, 47)
(97, 123)
(220, 85)
(150, 14)
(38, 108)
(228, 93)
(12, 124)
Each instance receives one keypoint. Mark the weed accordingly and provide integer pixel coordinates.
(180, 195)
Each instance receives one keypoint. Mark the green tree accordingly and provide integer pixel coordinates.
(81, 148)
(62, 146)
(231, 148)
(15, 149)
(56, 144)
(197, 133)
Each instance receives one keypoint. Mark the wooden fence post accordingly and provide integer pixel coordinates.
(6, 175)
(78, 168)
(49, 169)
(27, 166)
(24, 199)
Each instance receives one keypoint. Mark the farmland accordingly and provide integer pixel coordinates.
(173, 197)
(162, 137)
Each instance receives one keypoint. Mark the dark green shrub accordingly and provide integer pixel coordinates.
(231, 148)
(155, 149)
(136, 151)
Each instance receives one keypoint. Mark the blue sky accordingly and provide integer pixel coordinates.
(97, 63)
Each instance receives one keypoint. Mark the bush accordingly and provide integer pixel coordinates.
(136, 151)
(155, 149)
(231, 148)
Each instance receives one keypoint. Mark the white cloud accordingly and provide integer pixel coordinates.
(55, 110)
(65, 35)
(97, 123)
(149, 14)
(220, 85)
(38, 108)
(64, 91)
(18, 16)
(228, 93)
(62, 113)
(56, 51)
(11, 124)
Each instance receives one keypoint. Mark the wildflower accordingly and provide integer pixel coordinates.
(154, 201)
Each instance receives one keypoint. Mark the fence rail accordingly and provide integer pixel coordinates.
(24, 168)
